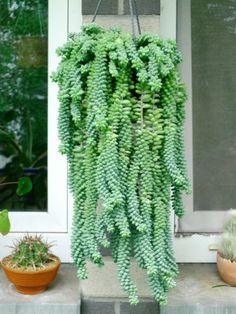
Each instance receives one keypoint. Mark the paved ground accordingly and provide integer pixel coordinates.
(62, 297)
(195, 292)
(101, 293)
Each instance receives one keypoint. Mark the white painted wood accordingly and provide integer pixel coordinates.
(195, 248)
(75, 15)
(75, 22)
(55, 224)
(168, 19)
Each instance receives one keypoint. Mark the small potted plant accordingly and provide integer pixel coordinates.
(31, 267)
(226, 255)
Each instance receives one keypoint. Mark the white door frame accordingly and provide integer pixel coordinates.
(194, 247)
(55, 224)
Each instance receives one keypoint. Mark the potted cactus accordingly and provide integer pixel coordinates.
(226, 255)
(31, 267)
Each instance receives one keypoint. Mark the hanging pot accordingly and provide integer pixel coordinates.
(32, 51)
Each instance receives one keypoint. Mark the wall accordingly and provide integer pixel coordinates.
(117, 14)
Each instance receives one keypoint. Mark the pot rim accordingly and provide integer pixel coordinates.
(225, 259)
(30, 272)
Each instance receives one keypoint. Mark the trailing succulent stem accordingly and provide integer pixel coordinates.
(121, 126)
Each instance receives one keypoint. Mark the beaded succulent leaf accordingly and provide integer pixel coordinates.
(121, 126)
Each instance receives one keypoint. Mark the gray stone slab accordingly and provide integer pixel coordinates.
(143, 307)
(97, 307)
(195, 286)
(199, 309)
(62, 296)
(146, 7)
(106, 7)
(103, 282)
(195, 292)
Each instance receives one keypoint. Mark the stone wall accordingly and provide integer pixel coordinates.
(120, 7)
(116, 13)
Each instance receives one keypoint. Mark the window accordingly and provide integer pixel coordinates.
(57, 18)
(23, 102)
(206, 36)
(197, 242)
(31, 26)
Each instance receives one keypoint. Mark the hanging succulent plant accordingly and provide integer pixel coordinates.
(120, 124)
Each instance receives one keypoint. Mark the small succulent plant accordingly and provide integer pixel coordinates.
(31, 252)
(227, 243)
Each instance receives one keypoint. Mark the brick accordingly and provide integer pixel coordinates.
(145, 7)
(106, 7)
(97, 307)
(141, 308)
(105, 251)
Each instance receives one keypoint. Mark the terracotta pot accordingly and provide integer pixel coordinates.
(226, 269)
(31, 282)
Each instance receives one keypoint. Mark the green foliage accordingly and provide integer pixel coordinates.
(227, 243)
(121, 126)
(23, 102)
(24, 186)
(5, 225)
(31, 252)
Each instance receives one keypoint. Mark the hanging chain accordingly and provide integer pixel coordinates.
(96, 11)
(137, 16)
(133, 14)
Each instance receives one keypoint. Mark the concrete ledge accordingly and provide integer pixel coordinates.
(101, 293)
(118, 306)
(103, 281)
(195, 292)
(62, 296)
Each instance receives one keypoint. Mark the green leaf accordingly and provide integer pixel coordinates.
(24, 186)
(4, 222)
(220, 285)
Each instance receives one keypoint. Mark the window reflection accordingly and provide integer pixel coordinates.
(214, 103)
(23, 102)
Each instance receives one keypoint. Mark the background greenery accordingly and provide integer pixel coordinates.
(23, 102)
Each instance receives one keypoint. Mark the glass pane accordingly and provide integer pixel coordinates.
(214, 103)
(23, 104)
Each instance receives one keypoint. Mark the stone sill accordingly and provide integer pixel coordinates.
(101, 293)
(62, 296)
(195, 292)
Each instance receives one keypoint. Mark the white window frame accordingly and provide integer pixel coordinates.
(55, 224)
(194, 247)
